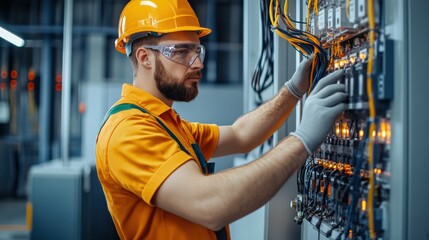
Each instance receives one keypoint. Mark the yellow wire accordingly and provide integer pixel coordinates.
(277, 13)
(316, 7)
(313, 69)
(274, 22)
(372, 113)
(274, 18)
(274, 14)
(271, 12)
(348, 9)
(285, 10)
(307, 24)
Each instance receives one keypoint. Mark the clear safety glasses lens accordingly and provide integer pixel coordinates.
(184, 54)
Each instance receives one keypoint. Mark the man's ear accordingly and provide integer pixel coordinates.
(143, 57)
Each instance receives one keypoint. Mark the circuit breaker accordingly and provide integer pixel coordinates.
(343, 188)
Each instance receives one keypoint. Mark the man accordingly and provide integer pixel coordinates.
(151, 163)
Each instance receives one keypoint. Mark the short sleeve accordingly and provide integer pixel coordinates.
(142, 155)
(206, 135)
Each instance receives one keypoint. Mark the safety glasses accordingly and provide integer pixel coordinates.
(184, 53)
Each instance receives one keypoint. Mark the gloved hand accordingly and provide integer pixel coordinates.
(299, 83)
(321, 108)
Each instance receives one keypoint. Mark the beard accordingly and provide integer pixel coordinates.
(174, 88)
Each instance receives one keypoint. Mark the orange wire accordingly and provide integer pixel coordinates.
(372, 114)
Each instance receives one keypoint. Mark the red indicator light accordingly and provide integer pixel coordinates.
(31, 75)
(4, 74)
(30, 86)
(13, 84)
(13, 74)
(58, 87)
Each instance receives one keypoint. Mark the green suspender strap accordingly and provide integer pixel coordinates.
(207, 168)
(129, 106)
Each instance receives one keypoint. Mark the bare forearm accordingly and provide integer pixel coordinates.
(239, 191)
(256, 126)
(219, 199)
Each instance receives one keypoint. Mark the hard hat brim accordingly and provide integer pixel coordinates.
(201, 31)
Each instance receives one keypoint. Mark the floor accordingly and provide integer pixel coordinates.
(13, 219)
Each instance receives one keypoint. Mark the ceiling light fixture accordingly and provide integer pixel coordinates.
(12, 38)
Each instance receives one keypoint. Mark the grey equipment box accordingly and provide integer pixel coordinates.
(68, 202)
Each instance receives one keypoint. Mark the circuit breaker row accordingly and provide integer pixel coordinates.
(333, 184)
(334, 18)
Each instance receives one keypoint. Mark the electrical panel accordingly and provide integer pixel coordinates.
(343, 188)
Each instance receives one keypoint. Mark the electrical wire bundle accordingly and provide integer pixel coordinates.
(350, 221)
(262, 77)
(304, 42)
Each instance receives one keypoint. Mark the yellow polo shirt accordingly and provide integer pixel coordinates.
(135, 155)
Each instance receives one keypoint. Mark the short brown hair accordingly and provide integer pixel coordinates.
(149, 40)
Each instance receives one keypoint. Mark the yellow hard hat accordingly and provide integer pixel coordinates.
(140, 18)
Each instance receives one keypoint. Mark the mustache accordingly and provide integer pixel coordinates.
(196, 74)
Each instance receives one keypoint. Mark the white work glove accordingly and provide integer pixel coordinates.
(321, 108)
(299, 83)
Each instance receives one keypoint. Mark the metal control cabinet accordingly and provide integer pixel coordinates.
(68, 202)
(403, 214)
(406, 209)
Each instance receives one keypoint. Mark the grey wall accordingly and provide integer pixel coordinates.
(219, 104)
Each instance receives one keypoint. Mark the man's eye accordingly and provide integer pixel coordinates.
(181, 52)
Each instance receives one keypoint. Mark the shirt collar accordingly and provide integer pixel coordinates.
(144, 99)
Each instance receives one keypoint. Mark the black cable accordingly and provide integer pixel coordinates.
(309, 47)
(356, 179)
(263, 74)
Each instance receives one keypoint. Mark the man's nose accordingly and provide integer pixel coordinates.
(197, 63)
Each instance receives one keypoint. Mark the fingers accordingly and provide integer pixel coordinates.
(305, 64)
(333, 100)
(329, 90)
(338, 109)
(327, 80)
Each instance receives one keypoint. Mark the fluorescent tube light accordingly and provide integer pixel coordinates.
(12, 38)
